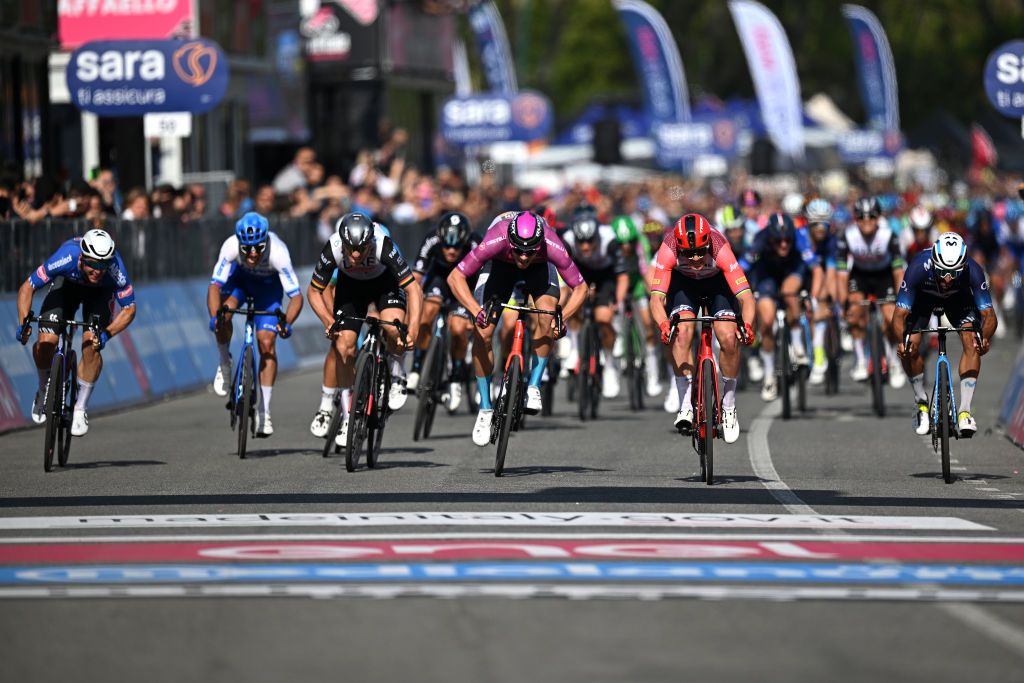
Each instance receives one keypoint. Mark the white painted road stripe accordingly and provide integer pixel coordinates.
(519, 591)
(497, 519)
(761, 461)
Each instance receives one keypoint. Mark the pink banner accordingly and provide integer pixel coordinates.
(80, 21)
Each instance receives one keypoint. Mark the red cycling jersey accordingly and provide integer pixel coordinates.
(720, 259)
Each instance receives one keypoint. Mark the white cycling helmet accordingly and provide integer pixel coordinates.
(98, 246)
(793, 203)
(949, 253)
(920, 218)
(818, 211)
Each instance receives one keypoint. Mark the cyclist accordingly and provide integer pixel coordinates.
(438, 254)
(370, 270)
(85, 271)
(636, 251)
(254, 262)
(778, 262)
(516, 248)
(945, 278)
(922, 234)
(869, 263)
(818, 214)
(755, 219)
(705, 269)
(597, 253)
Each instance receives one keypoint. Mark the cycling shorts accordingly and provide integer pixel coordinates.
(499, 279)
(265, 290)
(766, 280)
(603, 281)
(64, 297)
(353, 297)
(685, 294)
(877, 283)
(959, 308)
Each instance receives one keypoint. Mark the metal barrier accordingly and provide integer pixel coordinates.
(155, 250)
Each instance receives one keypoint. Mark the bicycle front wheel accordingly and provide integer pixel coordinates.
(376, 421)
(709, 419)
(427, 390)
(244, 403)
(511, 386)
(877, 351)
(69, 399)
(833, 351)
(54, 406)
(785, 370)
(945, 420)
(362, 404)
(583, 373)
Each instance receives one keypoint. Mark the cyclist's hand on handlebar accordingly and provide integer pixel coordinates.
(410, 343)
(481, 318)
(558, 331)
(745, 332)
(214, 323)
(23, 333)
(906, 349)
(100, 339)
(284, 330)
(666, 331)
(982, 347)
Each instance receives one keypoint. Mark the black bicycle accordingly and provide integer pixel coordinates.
(876, 352)
(433, 378)
(589, 371)
(833, 352)
(791, 372)
(369, 411)
(636, 364)
(62, 387)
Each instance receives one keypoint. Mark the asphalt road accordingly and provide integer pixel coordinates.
(830, 549)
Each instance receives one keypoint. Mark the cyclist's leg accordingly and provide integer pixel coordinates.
(542, 285)
(431, 307)
(766, 289)
(351, 298)
(495, 281)
(683, 298)
(99, 302)
(961, 312)
(329, 386)
(59, 303)
(724, 307)
(459, 325)
(857, 318)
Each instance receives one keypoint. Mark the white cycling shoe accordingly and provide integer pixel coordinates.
(671, 404)
(922, 419)
(897, 378)
(730, 425)
(399, 394)
(342, 438)
(610, 382)
(534, 402)
(684, 418)
(321, 423)
(482, 428)
(79, 423)
(755, 368)
(413, 381)
(770, 388)
(818, 374)
(220, 385)
(967, 425)
(264, 427)
(454, 396)
(859, 372)
(39, 406)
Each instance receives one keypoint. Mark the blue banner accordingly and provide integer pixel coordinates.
(495, 56)
(1004, 78)
(136, 77)
(677, 142)
(857, 146)
(483, 119)
(876, 71)
(657, 62)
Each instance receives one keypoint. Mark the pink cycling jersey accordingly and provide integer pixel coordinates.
(495, 245)
(719, 260)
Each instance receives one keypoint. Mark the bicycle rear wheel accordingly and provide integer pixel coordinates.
(877, 350)
(54, 409)
(945, 420)
(70, 397)
(244, 404)
(427, 390)
(785, 371)
(596, 371)
(632, 371)
(833, 351)
(548, 387)
(335, 427)
(583, 373)
(709, 418)
(376, 422)
(509, 400)
(362, 404)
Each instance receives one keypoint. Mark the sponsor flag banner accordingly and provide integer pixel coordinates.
(81, 21)
(491, 41)
(678, 142)
(858, 146)
(774, 73)
(657, 62)
(876, 71)
(482, 119)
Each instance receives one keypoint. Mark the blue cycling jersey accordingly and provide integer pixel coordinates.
(762, 250)
(825, 250)
(64, 263)
(919, 279)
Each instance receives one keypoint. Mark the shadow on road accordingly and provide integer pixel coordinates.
(723, 479)
(531, 470)
(109, 463)
(274, 452)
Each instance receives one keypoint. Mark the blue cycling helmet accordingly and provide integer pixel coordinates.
(252, 230)
(781, 227)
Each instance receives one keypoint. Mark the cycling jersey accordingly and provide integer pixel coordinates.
(719, 259)
(275, 260)
(383, 257)
(761, 251)
(64, 263)
(605, 255)
(496, 247)
(825, 250)
(919, 279)
(881, 252)
(430, 257)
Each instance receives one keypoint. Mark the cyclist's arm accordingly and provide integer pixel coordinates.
(325, 267)
(56, 265)
(414, 296)
(899, 323)
(576, 299)
(460, 290)
(25, 293)
(661, 277)
(842, 270)
(621, 269)
(424, 256)
(982, 299)
(899, 264)
(281, 260)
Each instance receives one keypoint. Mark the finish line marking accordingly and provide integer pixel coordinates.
(491, 519)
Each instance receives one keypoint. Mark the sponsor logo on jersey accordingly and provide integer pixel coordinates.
(41, 274)
(125, 293)
(62, 261)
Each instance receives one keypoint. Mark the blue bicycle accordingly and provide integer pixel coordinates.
(244, 395)
(942, 407)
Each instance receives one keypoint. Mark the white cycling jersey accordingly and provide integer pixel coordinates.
(275, 259)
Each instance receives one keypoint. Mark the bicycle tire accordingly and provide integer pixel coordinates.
(877, 350)
(639, 350)
(54, 389)
(334, 427)
(548, 388)
(597, 374)
(784, 369)
(710, 418)
(377, 422)
(944, 425)
(245, 405)
(833, 352)
(70, 397)
(439, 375)
(631, 367)
(803, 374)
(362, 400)
(425, 392)
(583, 374)
(512, 385)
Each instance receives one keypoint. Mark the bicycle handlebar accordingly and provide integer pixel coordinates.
(340, 319)
(93, 324)
(676, 319)
(495, 303)
(942, 328)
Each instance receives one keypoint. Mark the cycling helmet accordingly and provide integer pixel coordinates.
(818, 211)
(550, 217)
(949, 255)
(453, 230)
(793, 203)
(97, 249)
(653, 228)
(526, 231)
(355, 230)
(252, 230)
(692, 231)
(866, 207)
(625, 229)
(584, 228)
(920, 218)
(728, 217)
(781, 227)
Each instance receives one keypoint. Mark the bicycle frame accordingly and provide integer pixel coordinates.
(705, 351)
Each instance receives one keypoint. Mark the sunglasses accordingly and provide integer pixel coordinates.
(254, 248)
(866, 217)
(96, 265)
(699, 252)
(948, 275)
(523, 252)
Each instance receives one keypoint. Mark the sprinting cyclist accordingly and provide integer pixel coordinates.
(598, 255)
(944, 277)
(371, 269)
(869, 262)
(516, 248)
(779, 260)
(636, 252)
(86, 271)
(254, 262)
(818, 214)
(440, 251)
(694, 263)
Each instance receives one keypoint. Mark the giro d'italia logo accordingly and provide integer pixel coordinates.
(529, 110)
(195, 63)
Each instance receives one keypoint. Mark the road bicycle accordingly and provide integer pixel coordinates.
(589, 368)
(244, 396)
(791, 372)
(636, 363)
(435, 377)
(942, 407)
(833, 353)
(369, 411)
(510, 406)
(878, 358)
(62, 387)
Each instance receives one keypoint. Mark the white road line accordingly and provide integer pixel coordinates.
(761, 462)
(1004, 632)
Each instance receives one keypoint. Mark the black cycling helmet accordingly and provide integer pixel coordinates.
(453, 229)
(781, 227)
(866, 207)
(355, 230)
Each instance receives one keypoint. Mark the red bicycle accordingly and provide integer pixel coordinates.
(704, 396)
